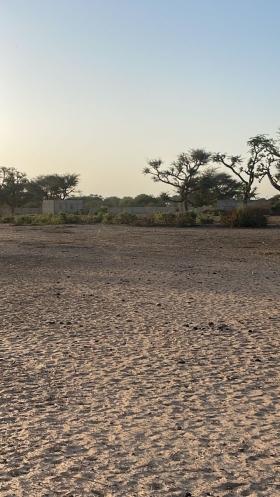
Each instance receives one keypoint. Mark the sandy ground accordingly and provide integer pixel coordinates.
(139, 362)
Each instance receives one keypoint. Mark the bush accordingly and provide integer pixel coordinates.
(62, 218)
(22, 219)
(275, 208)
(37, 219)
(157, 219)
(69, 218)
(205, 219)
(185, 219)
(125, 218)
(168, 219)
(145, 221)
(7, 219)
(163, 219)
(95, 218)
(244, 218)
(108, 218)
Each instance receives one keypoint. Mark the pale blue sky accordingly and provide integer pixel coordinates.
(100, 86)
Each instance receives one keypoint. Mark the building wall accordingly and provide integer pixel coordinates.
(144, 211)
(58, 206)
(6, 211)
(229, 204)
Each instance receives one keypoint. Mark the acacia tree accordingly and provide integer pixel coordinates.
(247, 171)
(54, 186)
(274, 179)
(182, 174)
(13, 187)
(270, 165)
(213, 186)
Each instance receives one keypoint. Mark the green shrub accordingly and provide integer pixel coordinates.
(95, 218)
(125, 218)
(147, 221)
(22, 219)
(69, 218)
(275, 208)
(108, 218)
(164, 219)
(185, 219)
(205, 219)
(244, 218)
(7, 219)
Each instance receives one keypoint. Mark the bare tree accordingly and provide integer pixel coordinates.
(270, 165)
(274, 179)
(247, 171)
(182, 174)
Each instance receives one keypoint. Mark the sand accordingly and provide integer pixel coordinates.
(139, 362)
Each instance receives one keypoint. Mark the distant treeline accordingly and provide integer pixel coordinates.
(194, 178)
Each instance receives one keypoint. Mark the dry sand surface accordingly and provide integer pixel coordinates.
(139, 362)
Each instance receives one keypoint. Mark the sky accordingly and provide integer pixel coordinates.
(99, 87)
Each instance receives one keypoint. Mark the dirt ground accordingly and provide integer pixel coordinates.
(139, 362)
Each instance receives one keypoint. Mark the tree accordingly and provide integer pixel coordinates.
(144, 200)
(93, 202)
(181, 174)
(248, 171)
(213, 186)
(126, 202)
(274, 179)
(275, 204)
(112, 202)
(270, 165)
(13, 187)
(55, 186)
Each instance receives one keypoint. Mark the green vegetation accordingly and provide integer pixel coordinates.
(158, 219)
(275, 205)
(193, 176)
(13, 187)
(16, 190)
(245, 218)
(205, 219)
(239, 218)
(196, 184)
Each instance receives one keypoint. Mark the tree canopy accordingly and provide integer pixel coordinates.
(212, 186)
(247, 171)
(182, 174)
(13, 187)
(54, 186)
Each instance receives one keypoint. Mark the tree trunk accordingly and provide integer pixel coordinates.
(186, 204)
(246, 197)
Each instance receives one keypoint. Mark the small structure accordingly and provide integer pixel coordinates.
(56, 206)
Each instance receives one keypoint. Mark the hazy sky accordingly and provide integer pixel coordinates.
(100, 86)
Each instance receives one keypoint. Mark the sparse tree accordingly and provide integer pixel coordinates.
(182, 174)
(274, 178)
(270, 165)
(13, 187)
(247, 171)
(55, 186)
